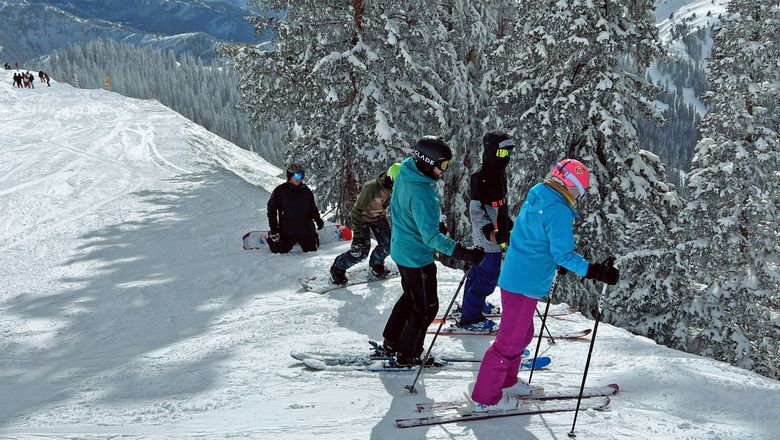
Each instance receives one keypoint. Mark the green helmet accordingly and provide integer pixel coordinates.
(393, 171)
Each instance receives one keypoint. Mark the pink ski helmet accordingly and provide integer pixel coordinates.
(573, 174)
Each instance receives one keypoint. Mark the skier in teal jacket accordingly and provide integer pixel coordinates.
(415, 212)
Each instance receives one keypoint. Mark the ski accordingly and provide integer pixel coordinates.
(540, 393)
(457, 331)
(527, 408)
(376, 362)
(458, 310)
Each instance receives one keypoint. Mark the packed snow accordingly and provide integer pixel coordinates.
(694, 13)
(129, 307)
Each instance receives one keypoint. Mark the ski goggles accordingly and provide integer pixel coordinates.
(443, 165)
(299, 175)
(505, 148)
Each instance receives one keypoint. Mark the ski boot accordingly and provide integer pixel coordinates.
(338, 276)
(484, 326)
(507, 402)
(520, 389)
(379, 272)
(491, 309)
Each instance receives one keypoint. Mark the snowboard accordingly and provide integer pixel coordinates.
(322, 284)
(329, 234)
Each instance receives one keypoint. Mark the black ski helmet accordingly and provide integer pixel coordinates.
(431, 152)
(294, 168)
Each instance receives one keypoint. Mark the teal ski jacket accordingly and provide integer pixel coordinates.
(541, 240)
(415, 212)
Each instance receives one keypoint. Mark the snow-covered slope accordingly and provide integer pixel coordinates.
(693, 13)
(129, 308)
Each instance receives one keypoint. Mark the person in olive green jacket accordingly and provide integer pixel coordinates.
(369, 214)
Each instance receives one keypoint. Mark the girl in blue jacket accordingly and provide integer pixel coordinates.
(541, 240)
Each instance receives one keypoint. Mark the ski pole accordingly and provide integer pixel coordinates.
(544, 322)
(587, 362)
(549, 335)
(411, 387)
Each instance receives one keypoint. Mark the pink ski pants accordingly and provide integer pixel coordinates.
(502, 360)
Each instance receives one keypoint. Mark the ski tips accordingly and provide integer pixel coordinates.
(615, 387)
(315, 364)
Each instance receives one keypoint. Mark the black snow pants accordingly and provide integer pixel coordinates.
(286, 242)
(414, 311)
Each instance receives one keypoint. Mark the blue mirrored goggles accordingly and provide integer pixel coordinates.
(299, 175)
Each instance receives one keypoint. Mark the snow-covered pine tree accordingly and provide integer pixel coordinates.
(378, 76)
(731, 237)
(575, 83)
(473, 29)
(356, 82)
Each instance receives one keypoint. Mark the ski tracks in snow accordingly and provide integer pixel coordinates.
(120, 230)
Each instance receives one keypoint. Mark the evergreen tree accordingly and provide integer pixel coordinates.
(473, 29)
(574, 83)
(358, 82)
(730, 226)
(206, 94)
(348, 79)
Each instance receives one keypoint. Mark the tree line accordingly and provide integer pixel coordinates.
(205, 93)
(355, 83)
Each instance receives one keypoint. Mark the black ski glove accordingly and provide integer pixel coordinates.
(320, 224)
(502, 238)
(604, 272)
(562, 271)
(472, 255)
(443, 228)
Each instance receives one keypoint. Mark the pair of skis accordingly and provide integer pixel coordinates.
(379, 362)
(455, 329)
(527, 408)
(458, 331)
(540, 402)
(457, 311)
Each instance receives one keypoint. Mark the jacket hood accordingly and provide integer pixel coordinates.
(541, 197)
(410, 173)
(489, 185)
(490, 144)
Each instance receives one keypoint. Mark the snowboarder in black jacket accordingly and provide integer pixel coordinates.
(292, 214)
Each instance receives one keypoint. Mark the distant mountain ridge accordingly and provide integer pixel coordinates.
(221, 19)
(34, 28)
